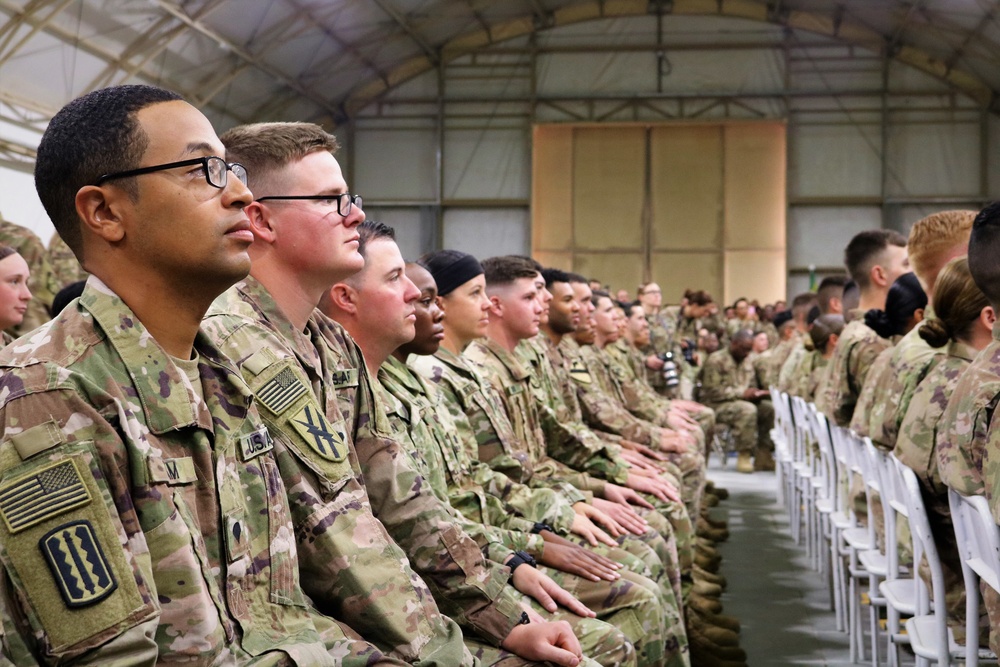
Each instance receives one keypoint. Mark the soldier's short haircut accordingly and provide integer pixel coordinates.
(984, 246)
(851, 298)
(577, 278)
(598, 294)
(266, 148)
(553, 276)
(741, 335)
(93, 135)
(830, 288)
(698, 297)
(802, 304)
(370, 230)
(933, 237)
(865, 250)
(502, 271)
(534, 262)
(6, 251)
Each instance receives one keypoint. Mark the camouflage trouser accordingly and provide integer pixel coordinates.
(706, 420)
(634, 605)
(991, 600)
(601, 644)
(749, 423)
(691, 478)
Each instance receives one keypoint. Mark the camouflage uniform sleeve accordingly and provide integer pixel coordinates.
(576, 446)
(717, 385)
(117, 621)
(961, 438)
(542, 504)
(467, 587)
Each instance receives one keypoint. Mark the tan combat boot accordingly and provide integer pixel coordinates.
(702, 574)
(764, 460)
(744, 463)
(706, 589)
(707, 530)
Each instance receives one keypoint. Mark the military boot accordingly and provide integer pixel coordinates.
(707, 563)
(721, 620)
(764, 460)
(714, 489)
(744, 463)
(706, 589)
(714, 633)
(707, 530)
(703, 605)
(709, 499)
(706, 516)
(701, 574)
(703, 645)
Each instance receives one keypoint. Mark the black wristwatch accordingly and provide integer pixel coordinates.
(539, 527)
(521, 558)
(525, 619)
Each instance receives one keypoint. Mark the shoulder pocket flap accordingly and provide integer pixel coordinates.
(37, 439)
(65, 553)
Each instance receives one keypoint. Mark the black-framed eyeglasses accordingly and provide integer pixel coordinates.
(343, 209)
(216, 170)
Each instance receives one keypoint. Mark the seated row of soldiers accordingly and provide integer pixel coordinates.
(916, 368)
(260, 437)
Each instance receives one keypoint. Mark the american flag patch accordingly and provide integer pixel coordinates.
(281, 391)
(49, 492)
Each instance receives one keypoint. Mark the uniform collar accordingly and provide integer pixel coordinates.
(401, 374)
(255, 293)
(159, 385)
(514, 367)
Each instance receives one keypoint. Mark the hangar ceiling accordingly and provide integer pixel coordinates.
(328, 60)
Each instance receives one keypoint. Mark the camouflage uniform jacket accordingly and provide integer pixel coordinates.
(346, 465)
(808, 375)
(600, 396)
(735, 324)
(443, 461)
(875, 382)
(912, 359)
(789, 370)
(966, 443)
(856, 350)
(723, 380)
(485, 430)
(667, 330)
(915, 445)
(66, 269)
(41, 282)
(567, 438)
(144, 519)
(511, 380)
(640, 398)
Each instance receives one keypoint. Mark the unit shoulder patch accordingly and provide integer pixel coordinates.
(321, 437)
(78, 564)
(578, 371)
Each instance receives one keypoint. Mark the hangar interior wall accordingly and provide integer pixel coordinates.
(447, 156)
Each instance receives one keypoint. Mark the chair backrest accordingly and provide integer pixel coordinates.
(923, 545)
(801, 450)
(978, 536)
(827, 461)
(893, 504)
(842, 453)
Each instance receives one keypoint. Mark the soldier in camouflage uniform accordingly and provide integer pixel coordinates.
(967, 441)
(66, 269)
(962, 328)
(932, 242)
(728, 386)
(42, 285)
(631, 603)
(807, 376)
(874, 259)
(138, 443)
(742, 319)
(343, 437)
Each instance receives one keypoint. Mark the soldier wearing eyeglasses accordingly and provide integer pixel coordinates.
(143, 519)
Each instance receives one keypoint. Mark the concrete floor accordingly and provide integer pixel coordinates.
(782, 603)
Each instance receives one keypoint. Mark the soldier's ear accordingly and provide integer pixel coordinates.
(345, 298)
(101, 210)
(496, 306)
(988, 316)
(260, 222)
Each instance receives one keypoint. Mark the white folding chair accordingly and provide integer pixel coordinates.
(781, 435)
(899, 588)
(978, 540)
(802, 474)
(865, 561)
(832, 517)
(930, 637)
